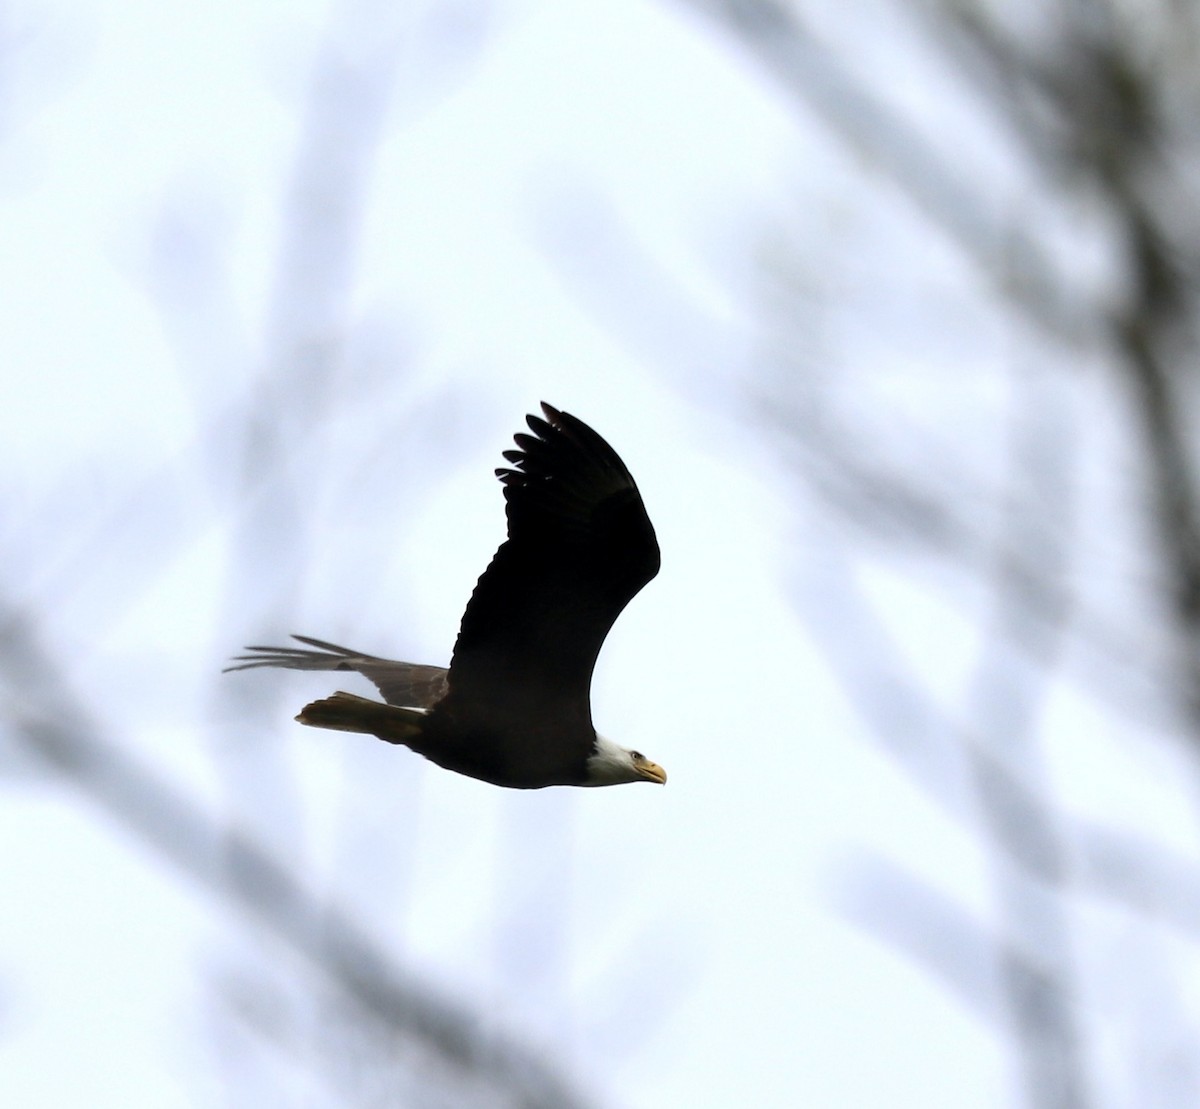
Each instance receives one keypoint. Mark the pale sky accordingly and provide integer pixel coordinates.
(684, 946)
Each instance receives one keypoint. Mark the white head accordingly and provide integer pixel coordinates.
(613, 764)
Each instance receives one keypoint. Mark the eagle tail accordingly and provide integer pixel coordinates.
(347, 712)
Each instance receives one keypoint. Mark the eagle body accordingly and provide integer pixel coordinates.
(514, 707)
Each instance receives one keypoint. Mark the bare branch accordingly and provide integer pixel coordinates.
(51, 724)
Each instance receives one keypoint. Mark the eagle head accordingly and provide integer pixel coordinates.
(611, 764)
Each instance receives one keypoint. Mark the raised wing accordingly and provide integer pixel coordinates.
(579, 547)
(402, 683)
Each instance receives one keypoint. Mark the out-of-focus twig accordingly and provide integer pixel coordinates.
(774, 33)
(52, 725)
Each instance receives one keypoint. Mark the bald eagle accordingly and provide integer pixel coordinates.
(514, 708)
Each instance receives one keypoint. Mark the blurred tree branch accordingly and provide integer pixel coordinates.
(1100, 102)
(259, 447)
(777, 37)
(53, 726)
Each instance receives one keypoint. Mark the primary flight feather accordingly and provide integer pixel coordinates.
(514, 708)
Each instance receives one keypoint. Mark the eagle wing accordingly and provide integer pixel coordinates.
(580, 546)
(406, 684)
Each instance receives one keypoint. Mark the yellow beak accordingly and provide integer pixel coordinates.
(652, 772)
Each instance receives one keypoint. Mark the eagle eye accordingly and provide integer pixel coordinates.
(637, 756)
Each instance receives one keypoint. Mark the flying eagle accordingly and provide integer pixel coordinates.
(514, 709)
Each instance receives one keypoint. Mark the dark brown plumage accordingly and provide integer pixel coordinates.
(514, 707)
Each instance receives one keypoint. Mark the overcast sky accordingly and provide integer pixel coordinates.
(573, 201)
